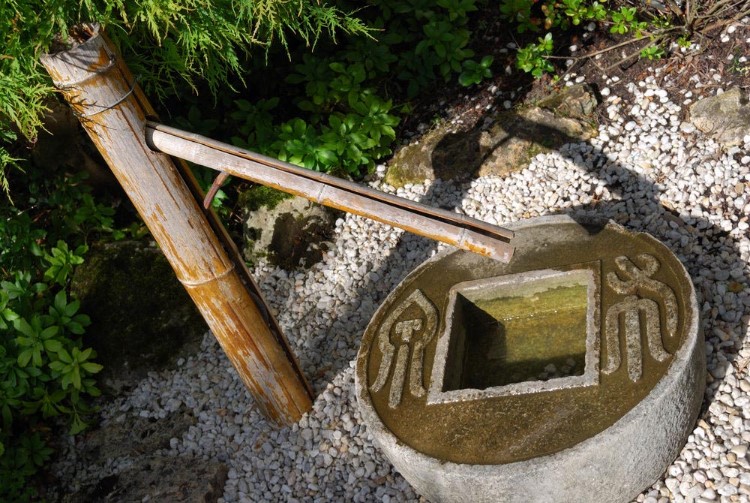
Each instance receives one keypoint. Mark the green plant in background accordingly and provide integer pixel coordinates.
(652, 52)
(624, 21)
(684, 41)
(739, 64)
(580, 11)
(519, 12)
(166, 42)
(46, 373)
(533, 57)
(563, 15)
(344, 119)
(444, 47)
(474, 73)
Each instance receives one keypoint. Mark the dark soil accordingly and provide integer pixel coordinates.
(465, 107)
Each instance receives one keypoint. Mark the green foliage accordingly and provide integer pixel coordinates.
(45, 371)
(444, 47)
(61, 262)
(578, 11)
(519, 12)
(684, 41)
(474, 73)
(625, 20)
(652, 52)
(533, 57)
(166, 42)
(739, 64)
(344, 120)
(564, 15)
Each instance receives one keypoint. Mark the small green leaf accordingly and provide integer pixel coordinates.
(49, 332)
(57, 366)
(61, 301)
(76, 378)
(52, 345)
(77, 425)
(64, 356)
(83, 355)
(24, 357)
(92, 368)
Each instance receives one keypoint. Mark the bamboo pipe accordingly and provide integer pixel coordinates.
(452, 228)
(113, 110)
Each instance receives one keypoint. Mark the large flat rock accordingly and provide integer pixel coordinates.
(725, 117)
(508, 145)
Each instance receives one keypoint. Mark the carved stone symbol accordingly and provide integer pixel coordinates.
(415, 332)
(638, 281)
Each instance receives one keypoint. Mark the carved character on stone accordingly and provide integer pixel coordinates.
(634, 281)
(403, 338)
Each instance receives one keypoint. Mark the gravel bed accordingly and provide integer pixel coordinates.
(647, 170)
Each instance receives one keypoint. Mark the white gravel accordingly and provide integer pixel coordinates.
(646, 170)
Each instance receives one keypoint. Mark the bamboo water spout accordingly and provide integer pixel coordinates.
(448, 227)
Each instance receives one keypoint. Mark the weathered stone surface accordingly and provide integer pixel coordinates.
(142, 318)
(575, 102)
(155, 476)
(517, 429)
(515, 139)
(160, 478)
(293, 233)
(62, 144)
(725, 117)
(508, 145)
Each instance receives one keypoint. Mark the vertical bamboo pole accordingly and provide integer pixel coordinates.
(113, 110)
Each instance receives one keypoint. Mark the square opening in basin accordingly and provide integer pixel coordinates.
(533, 328)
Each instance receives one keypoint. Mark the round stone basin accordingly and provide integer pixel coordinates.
(573, 373)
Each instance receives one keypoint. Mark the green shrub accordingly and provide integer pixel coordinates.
(474, 73)
(166, 42)
(564, 15)
(344, 117)
(46, 373)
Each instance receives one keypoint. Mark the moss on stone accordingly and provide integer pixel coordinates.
(260, 196)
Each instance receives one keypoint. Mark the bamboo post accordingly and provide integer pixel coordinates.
(114, 111)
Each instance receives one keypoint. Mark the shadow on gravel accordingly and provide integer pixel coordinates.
(635, 204)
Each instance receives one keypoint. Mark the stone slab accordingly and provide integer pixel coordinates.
(508, 145)
(725, 117)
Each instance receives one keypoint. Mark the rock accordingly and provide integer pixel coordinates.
(62, 144)
(725, 117)
(414, 163)
(508, 145)
(132, 443)
(513, 141)
(576, 102)
(141, 317)
(160, 478)
(484, 371)
(292, 232)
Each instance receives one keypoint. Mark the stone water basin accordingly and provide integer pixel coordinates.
(573, 373)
